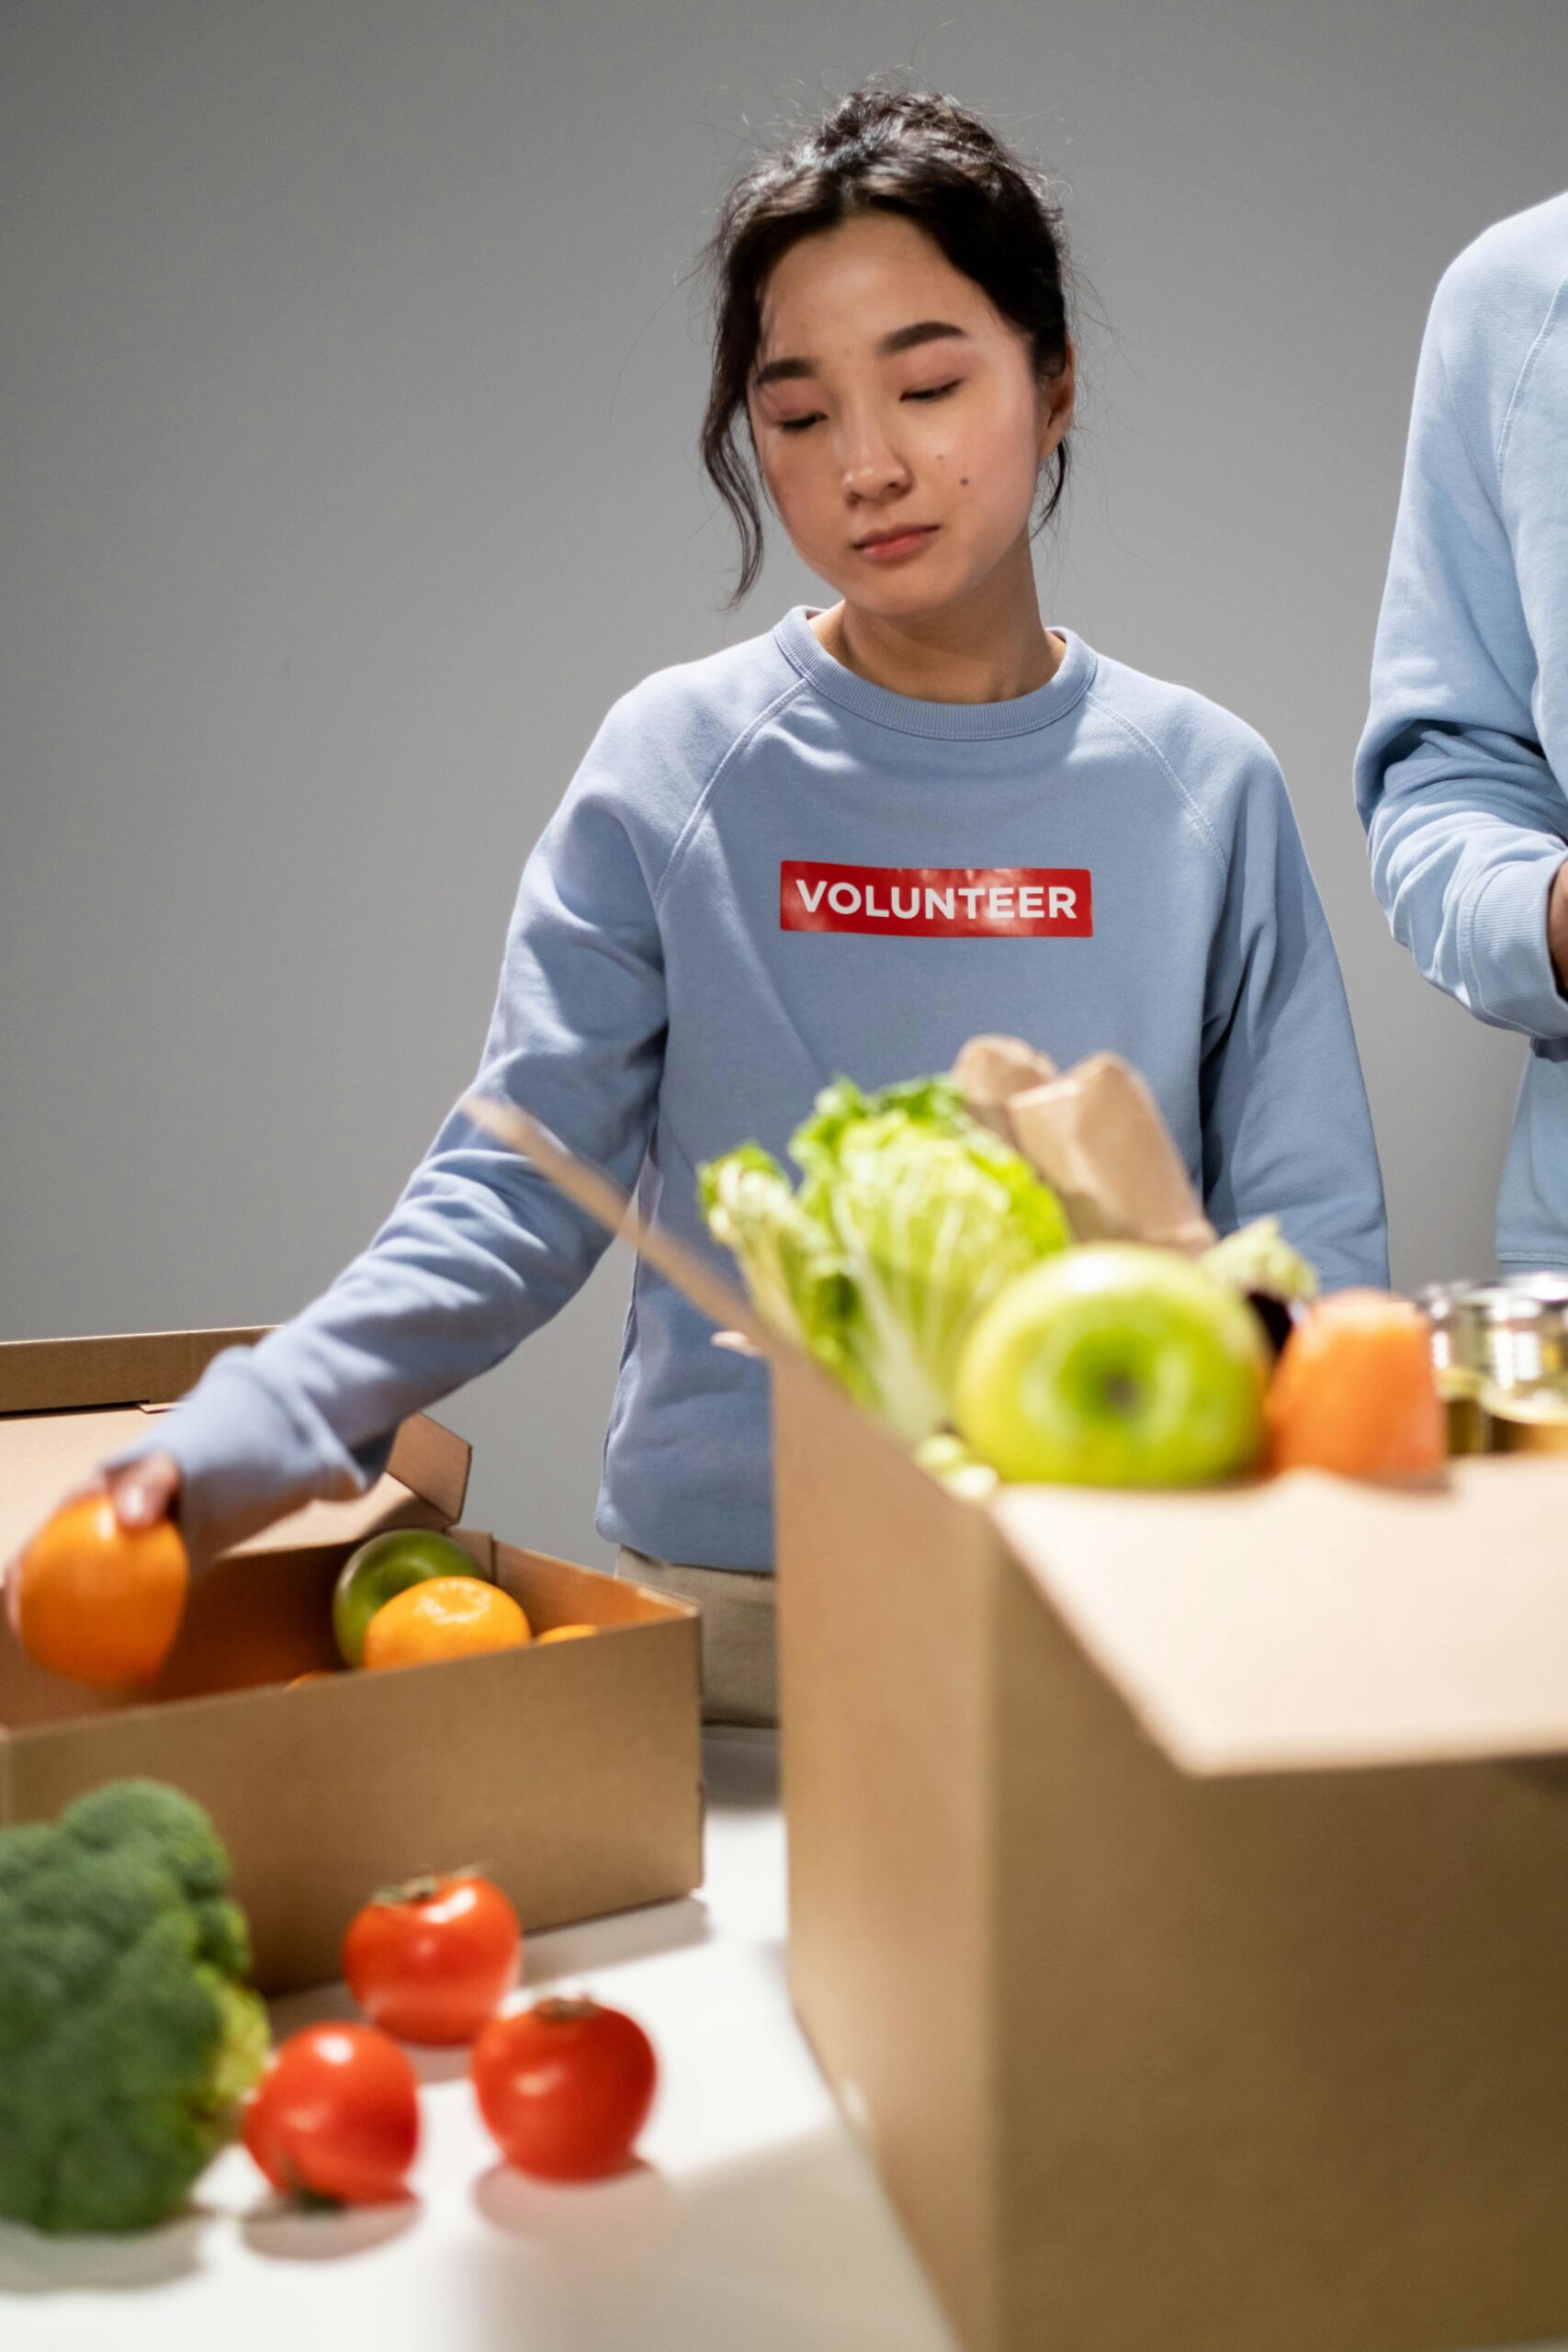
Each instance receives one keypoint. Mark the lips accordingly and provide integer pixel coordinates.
(886, 538)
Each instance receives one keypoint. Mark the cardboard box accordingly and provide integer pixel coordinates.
(572, 1771)
(1178, 1884)
(1178, 1893)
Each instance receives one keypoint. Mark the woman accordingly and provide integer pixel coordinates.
(843, 845)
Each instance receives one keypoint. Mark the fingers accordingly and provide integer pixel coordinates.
(143, 1492)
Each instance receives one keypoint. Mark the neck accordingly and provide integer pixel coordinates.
(990, 650)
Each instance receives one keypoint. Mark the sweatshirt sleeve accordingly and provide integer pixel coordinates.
(1286, 1126)
(479, 1250)
(1465, 819)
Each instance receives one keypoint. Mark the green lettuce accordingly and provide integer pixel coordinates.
(909, 1216)
(1259, 1258)
(795, 1287)
(957, 1466)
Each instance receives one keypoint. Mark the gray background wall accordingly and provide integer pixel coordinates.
(347, 408)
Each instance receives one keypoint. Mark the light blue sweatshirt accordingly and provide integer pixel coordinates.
(767, 871)
(1462, 776)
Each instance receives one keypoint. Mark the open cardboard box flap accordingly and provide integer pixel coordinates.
(66, 1404)
(1308, 1621)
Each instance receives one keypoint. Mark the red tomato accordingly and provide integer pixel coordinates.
(431, 1960)
(337, 2114)
(564, 2088)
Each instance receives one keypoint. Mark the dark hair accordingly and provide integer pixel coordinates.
(908, 152)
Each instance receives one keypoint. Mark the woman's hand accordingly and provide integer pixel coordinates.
(143, 1492)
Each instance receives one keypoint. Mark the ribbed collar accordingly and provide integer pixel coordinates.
(954, 722)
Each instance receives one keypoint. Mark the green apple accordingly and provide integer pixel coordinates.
(386, 1565)
(1115, 1364)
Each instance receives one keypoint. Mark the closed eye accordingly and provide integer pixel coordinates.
(932, 392)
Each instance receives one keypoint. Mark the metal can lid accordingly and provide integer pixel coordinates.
(1532, 1400)
(1454, 1302)
(1473, 1305)
(1550, 1287)
(1472, 1325)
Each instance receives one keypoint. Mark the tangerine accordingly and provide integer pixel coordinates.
(442, 1618)
(97, 1602)
(565, 1633)
(1354, 1390)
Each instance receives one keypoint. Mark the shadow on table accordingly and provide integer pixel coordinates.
(740, 1768)
(787, 2250)
(620, 2218)
(35, 2263)
(283, 2232)
(589, 1945)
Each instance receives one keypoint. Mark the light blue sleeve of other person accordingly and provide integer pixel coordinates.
(480, 1251)
(1461, 772)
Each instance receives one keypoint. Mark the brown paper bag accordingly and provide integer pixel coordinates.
(990, 1071)
(1095, 1134)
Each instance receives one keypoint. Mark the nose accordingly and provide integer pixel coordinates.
(874, 481)
(872, 466)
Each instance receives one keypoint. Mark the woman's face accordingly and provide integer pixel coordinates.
(890, 395)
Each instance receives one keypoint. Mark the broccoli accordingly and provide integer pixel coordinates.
(128, 2036)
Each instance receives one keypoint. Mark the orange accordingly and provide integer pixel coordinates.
(1354, 1390)
(98, 1602)
(565, 1633)
(444, 1617)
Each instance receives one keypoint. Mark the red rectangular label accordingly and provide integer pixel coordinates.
(938, 901)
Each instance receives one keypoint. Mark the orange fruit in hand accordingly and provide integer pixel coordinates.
(1354, 1390)
(565, 1633)
(444, 1617)
(98, 1602)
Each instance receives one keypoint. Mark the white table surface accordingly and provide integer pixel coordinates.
(754, 2222)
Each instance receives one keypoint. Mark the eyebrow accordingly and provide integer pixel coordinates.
(901, 339)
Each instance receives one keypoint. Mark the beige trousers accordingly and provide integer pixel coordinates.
(740, 1662)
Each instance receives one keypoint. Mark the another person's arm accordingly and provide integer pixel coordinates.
(1465, 819)
(1286, 1126)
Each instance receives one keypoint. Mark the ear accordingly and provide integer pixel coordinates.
(1058, 395)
